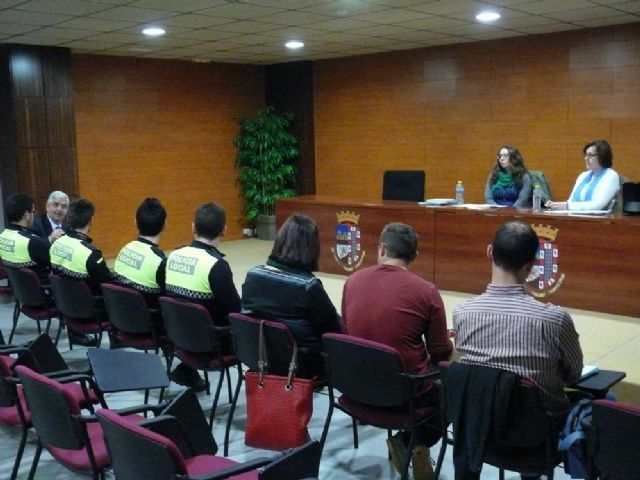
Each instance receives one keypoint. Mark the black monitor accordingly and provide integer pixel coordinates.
(631, 198)
(405, 185)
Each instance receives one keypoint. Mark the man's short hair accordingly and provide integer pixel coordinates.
(81, 212)
(297, 243)
(16, 205)
(514, 246)
(401, 241)
(57, 195)
(209, 220)
(150, 217)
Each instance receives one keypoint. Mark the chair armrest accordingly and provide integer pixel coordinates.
(10, 349)
(235, 470)
(145, 407)
(421, 376)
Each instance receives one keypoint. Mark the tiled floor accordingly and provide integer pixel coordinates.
(340, 460)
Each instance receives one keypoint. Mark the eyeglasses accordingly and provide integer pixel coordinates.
(590, 155)
(502, 155)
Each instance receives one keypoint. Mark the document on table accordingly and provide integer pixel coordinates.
(588, 371)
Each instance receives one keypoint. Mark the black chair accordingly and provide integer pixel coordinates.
(5, 287)
(518, 434)
(375, 389)
(279, 343)
(629, 197)
(199, 343)
(405, 185)
(133, 323)
(31, 299)
(140, 452)
(81, 311)
(613, 441)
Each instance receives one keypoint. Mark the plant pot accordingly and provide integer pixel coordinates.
(266, 227)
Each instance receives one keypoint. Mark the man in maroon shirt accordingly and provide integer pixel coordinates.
(388, 304)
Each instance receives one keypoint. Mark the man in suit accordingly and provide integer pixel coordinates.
(51, 224)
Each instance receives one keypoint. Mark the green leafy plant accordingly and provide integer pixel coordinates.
(266, 149)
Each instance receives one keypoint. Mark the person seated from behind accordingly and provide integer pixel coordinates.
(388, 304)
(74, 255)
(208, 280)
(141, 264)
(509, 182)
(52, 224)
(285, 290)
(596, 188)
(20, 246)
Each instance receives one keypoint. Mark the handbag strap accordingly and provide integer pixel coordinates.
(292, 365)
(262, 353)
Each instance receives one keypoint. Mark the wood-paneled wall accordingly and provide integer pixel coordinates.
(448, 109)
(159, 128)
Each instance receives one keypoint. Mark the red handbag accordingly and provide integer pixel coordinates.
(278, 408)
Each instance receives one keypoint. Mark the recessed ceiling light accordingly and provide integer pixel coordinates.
(294, 44)
(488, 16)
(154, 31)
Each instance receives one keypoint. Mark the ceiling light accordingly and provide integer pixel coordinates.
(154, 31)
(488, 16)
(294, 44)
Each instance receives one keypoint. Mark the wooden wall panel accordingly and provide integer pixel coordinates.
(448, 109)
(163, 129)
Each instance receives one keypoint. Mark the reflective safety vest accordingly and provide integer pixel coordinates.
(187, 272)
(14, 249)
(70, 256)
(137, 263)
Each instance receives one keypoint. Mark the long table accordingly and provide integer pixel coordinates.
(590, 262)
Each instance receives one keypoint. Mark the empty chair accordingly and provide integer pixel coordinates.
(375, 389)
(498, 419)
(613, 441)
(138, 453)
(403, 185)
(198, 342)
(31, 299)
(80, 310)
(133, 323)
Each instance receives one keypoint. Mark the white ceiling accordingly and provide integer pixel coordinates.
(253, 31)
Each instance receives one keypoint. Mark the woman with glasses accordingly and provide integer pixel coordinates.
(596, 188)
(509, 182)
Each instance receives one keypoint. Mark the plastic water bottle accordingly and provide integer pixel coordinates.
(459, 193)
(537, 199)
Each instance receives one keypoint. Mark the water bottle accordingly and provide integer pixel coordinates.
(459, 193)
(537, 199)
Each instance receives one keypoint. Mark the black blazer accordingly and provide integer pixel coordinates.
(42, 226)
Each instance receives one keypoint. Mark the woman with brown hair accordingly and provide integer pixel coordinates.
(509, 183)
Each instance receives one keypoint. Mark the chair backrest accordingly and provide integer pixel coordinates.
(628, 197)
(27, 287)
(617, 429)
(365, 371)
(538, 178)
(278, 339)
(73, 297)
(403, 185)
(189, 325)
(52, 410)
(296, 464)
(138, 453)
(126, 308)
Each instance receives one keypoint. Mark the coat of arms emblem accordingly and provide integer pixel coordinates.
(545, 277)
(348, 253)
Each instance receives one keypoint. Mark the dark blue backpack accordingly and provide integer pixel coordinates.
(572, 442)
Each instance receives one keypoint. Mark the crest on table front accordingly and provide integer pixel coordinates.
(545, 276)
(348, 252)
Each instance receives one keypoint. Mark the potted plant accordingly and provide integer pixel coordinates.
(266, 149)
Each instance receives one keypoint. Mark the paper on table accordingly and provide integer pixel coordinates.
(588, 371)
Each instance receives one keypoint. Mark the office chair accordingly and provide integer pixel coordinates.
(405, 185)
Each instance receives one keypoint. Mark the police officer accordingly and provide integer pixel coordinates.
(19, 245)
(141, 264)
(200, 273)
(74, 254)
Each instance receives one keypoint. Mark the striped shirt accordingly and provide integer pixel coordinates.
(506, 328)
